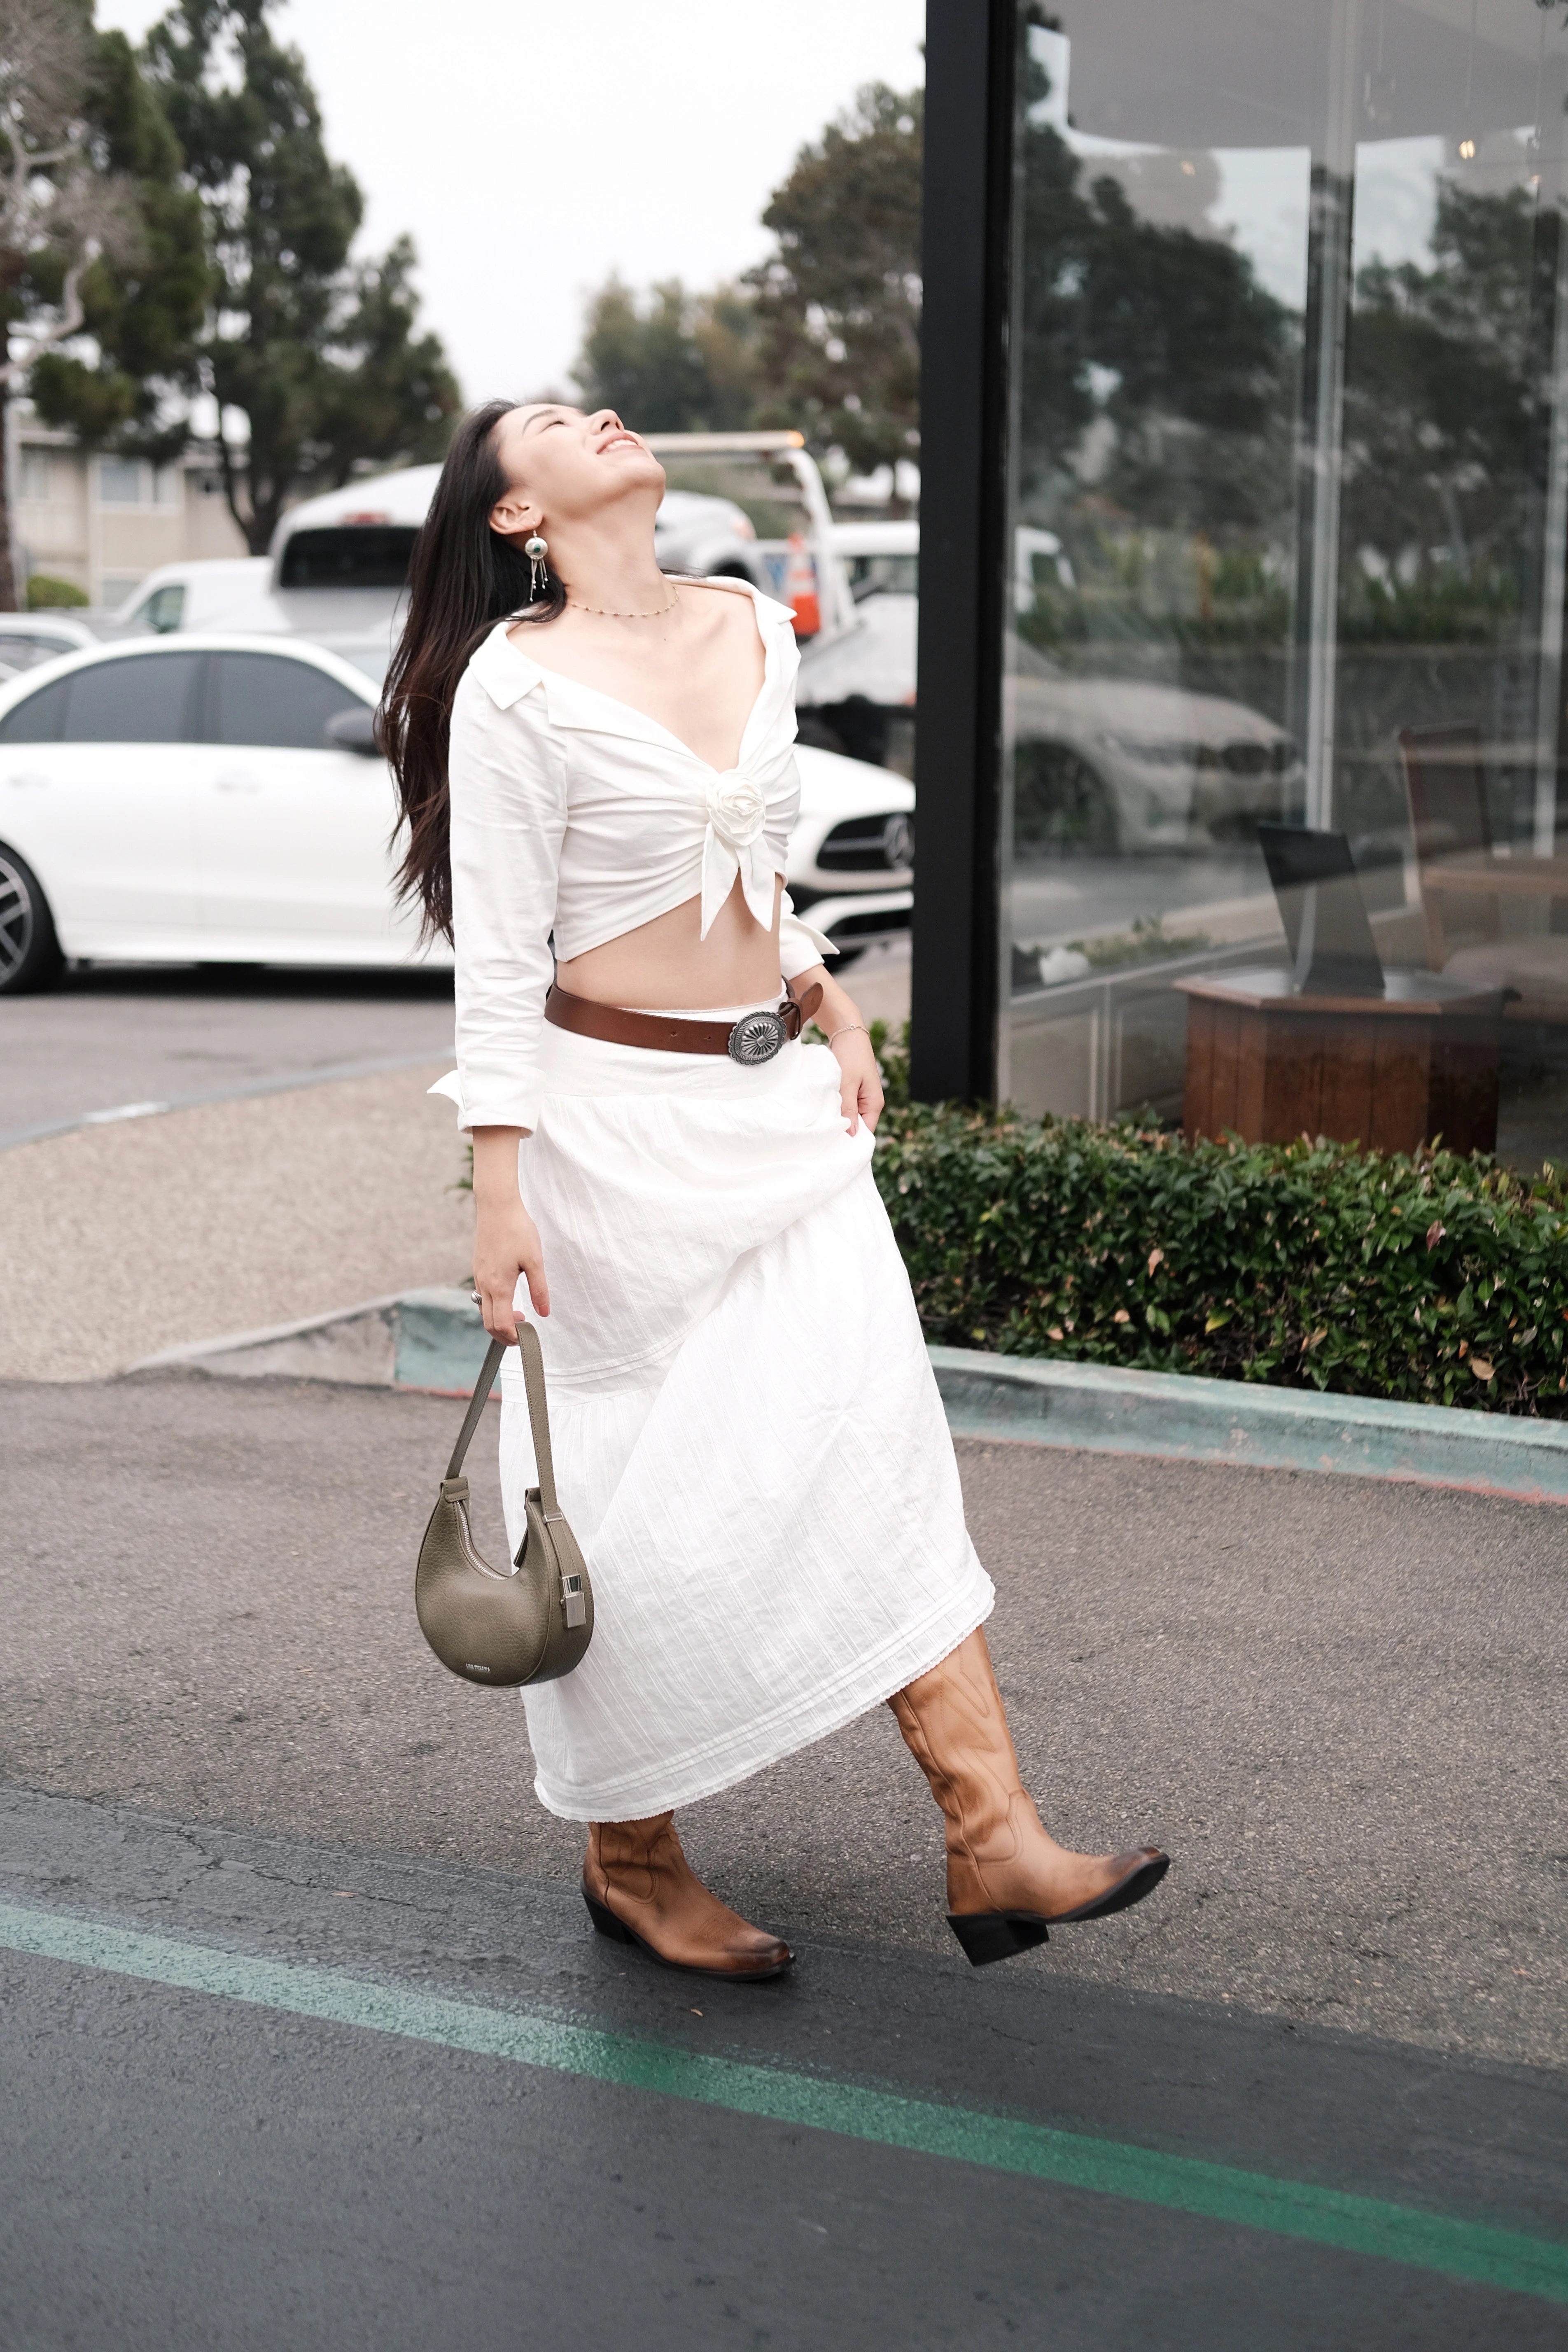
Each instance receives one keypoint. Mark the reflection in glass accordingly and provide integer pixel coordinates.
(1287, 511)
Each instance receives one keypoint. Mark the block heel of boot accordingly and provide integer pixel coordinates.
(988, 1936)
(606, 1924)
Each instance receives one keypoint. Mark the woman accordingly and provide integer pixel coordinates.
(748, 1436)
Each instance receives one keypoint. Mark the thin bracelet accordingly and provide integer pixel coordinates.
(848, 1031)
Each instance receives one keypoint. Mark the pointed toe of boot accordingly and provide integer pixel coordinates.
(988, 1936)
(764, 1956)
(1135, 1876)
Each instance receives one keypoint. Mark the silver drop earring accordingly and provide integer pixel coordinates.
(537, 549)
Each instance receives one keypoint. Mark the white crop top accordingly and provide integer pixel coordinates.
(572, 812)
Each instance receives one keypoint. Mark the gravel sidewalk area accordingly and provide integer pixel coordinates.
(119, 1241)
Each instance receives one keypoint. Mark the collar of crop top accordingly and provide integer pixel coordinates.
(507, 674)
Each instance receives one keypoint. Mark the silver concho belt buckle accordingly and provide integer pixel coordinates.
(756, 1037)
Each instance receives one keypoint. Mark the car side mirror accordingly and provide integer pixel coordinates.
(354, 730)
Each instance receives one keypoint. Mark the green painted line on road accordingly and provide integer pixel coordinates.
(1460, 2249)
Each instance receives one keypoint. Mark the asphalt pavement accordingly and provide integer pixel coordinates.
(116, 1037)
(308, 2042)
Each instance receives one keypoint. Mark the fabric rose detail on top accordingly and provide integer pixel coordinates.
(737, 811)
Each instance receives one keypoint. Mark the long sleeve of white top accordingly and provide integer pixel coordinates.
(508, 785)
(800, 948)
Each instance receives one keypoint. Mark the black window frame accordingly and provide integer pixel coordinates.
(955, 974)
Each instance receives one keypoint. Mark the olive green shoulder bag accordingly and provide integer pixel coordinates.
(532, 1623)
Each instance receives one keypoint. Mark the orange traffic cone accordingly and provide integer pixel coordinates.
(800, 588)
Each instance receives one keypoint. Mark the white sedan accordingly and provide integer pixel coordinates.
(220, 799)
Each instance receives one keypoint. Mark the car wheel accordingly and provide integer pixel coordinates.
(1061, 803)
(29, 953)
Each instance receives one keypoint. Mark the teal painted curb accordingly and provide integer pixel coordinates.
(1181, 1417)
(439, 1340)
(434, 1339)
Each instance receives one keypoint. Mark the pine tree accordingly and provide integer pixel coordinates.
(317, 356)
(674, 362)
(838, 305)
(96, 240)
(142, 308)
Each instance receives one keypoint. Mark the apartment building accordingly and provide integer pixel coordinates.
(103, 522)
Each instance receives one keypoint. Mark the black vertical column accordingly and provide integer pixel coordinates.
(970, 49)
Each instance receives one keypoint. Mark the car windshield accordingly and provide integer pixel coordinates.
(21, 650)
(349, 555)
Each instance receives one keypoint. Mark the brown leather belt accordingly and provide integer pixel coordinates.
(755, 1038)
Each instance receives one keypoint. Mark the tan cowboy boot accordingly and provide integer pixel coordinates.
(640, 1889)
(1008, 1878)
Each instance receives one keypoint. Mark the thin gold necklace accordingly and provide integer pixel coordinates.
(602, 612)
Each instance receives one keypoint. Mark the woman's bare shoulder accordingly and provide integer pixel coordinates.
(728, 608)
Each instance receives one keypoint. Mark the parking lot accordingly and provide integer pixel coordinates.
(308, 2039)
(292, 1959)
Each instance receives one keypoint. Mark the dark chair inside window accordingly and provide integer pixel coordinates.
(1445, 791)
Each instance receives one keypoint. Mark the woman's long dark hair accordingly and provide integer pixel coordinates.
(463, 578)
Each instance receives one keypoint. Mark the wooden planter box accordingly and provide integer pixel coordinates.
(1391, 1072)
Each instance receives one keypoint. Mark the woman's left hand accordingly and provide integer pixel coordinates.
(859, 1080)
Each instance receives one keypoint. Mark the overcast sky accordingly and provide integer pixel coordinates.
(533, 146)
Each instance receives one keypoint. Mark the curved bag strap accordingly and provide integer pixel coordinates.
(538, 1410)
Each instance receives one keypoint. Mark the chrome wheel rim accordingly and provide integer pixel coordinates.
(17, 921)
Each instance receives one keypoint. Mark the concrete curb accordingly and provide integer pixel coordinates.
(434, 1339)
(416, 1339)
(1180, 1417)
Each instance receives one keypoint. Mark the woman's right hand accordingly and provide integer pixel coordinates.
(506, 1239)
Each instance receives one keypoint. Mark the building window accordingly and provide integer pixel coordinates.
(38, 478)
(132, 482)
(122, 482)
(1286, 521)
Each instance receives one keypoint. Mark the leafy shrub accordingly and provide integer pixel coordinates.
(46, 594)
(1441, 1279)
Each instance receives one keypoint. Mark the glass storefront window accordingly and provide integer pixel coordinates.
(1287, 514)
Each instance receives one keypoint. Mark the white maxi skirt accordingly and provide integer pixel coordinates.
(748, 1443)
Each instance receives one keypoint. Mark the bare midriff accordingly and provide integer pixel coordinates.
(667, 966)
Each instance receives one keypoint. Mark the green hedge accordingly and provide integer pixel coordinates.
(47, 595)
(1440, 1280)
